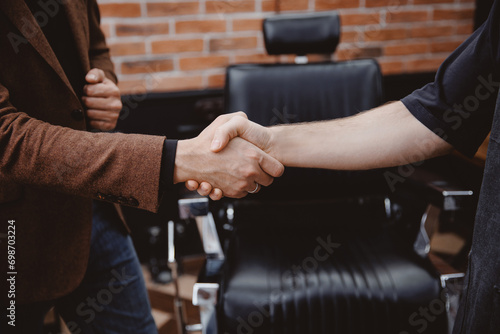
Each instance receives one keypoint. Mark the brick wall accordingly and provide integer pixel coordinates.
(171, 45)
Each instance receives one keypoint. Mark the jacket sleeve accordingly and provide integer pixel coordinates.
(98, 50)
(120, 168)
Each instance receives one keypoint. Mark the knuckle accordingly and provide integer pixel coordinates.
(222, 117)
(117, 104)
(248, 172)
(242, 186)
(231, 193)
(253, 154)
(239, 121)
(241, 114)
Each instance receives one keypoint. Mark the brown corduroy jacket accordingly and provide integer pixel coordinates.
(50, 167)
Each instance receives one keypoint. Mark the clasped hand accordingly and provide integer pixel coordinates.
(101, 97)
(237, 158)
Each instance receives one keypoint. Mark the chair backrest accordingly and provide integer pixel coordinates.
(273, 94)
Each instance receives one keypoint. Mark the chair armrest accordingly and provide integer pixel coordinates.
(206, 291)
(197, 208)
(441, 195)
(438, 191)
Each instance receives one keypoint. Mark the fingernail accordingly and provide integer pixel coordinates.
(92, 77)
(215, 145)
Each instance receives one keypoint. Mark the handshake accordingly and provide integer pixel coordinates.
(231, 157)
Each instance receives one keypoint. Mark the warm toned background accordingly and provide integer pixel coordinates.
(185, 45)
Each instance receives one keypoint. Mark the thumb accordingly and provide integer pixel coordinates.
(94, 76)
(224, 133)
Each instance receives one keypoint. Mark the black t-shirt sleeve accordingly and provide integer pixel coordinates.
(459, 105)
(167, 164)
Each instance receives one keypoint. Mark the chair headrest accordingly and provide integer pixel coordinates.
(302, 34)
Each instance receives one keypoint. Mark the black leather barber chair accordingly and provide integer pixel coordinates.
(319, 251)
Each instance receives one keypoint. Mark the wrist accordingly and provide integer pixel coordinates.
(181, 165)
(272, 147)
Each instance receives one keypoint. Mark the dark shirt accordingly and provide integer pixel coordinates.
(459, 104)
(460, 107)
(56, 28)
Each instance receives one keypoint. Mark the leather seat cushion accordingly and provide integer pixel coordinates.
(297, 281)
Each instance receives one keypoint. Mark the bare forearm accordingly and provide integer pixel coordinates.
(382, 137)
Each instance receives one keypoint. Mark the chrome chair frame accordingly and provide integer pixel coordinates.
(442, 197)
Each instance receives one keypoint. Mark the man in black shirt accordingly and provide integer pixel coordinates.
(455, 111)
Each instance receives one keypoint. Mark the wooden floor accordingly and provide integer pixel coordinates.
(162, 297)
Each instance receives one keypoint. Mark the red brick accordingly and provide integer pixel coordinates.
(232, 6)
(235, 43)
(200, 26)
(431, 2)
(431, 31)
(143, 29)
(293, 5)
(406, 49)
(359, 19)
(177, 83)
(147, 66)
(350, 36)
(270, 6)
(255, 58)
(465, 29)
(132, 86)
(318, 58)
(346, 53)
(125, 49)
(453, 14)
(422, 65)
(392, 4)
(359, 52)
(391, 67)
(203, 63)
(377, 34)
(247, 25)
(177, 46)
(216, 80)
(335, 4)
(444, 46)
(283, 6)
(120, 9)
(406, 16)
(173, 8)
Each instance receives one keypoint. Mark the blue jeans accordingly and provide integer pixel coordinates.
(112, 297)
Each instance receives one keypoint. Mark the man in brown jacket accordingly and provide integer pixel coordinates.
(51, 168)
